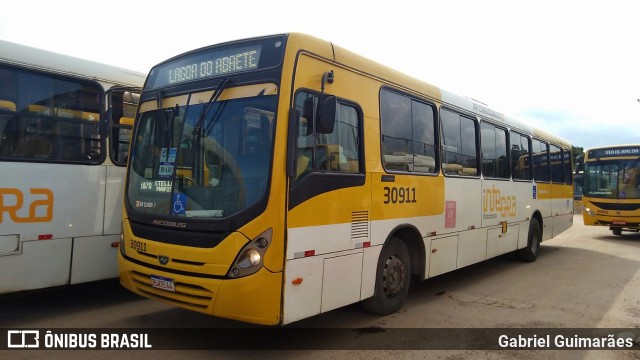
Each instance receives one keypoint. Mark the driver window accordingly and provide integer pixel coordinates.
(336, 152)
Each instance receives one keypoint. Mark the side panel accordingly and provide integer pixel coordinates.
(74, 195)
(113, 199)
(444, 254)
(94, 258)
(41, 264)
(54, 203)
(544, 203)
(304, 299)
(562, 208)
(341, 281)
(317, 284)
(501, 242)
(472, 247)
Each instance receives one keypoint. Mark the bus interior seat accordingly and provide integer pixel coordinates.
(6, 108)
(7, 105)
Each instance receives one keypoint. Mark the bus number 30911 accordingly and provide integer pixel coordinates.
(399, 195)
(138, 245)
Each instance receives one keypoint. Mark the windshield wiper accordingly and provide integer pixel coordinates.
(197, 130)
(165, 125)
(198, 159)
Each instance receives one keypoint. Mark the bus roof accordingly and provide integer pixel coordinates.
(38, 59)
(411, 84)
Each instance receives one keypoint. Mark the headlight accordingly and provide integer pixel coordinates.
(589, 211)
(249, 260)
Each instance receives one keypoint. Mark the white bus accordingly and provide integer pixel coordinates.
(64, 142)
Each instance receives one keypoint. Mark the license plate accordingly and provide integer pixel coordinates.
(619, 222)
(163, 283)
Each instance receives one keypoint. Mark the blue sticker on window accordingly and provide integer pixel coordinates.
(167, 161)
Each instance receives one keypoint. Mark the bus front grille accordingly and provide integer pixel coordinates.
(185, 295)
(177, 237)
(616, 206)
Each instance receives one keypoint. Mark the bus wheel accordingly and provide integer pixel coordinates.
(392, 279)
(530, 253)
(617, 231)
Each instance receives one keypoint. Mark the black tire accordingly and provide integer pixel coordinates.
(530, 253)
(617, 231)
(393, 276)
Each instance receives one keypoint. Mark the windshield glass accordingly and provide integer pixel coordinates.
(194, 162)
(612, 179)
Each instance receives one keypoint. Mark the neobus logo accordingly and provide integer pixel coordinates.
(494, 201)
(12, 202)
(169, 223)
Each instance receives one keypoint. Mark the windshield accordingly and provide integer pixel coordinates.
(191, 161)
(612, 179)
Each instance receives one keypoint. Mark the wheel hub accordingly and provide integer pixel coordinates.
(393, 276)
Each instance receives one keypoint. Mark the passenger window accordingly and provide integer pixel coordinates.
(557, 168)
(50, 119)
(408, 134)
(123, 104)
(568, 173)
(540, 161)
(520, 157)
(494, 151)
(459, 145)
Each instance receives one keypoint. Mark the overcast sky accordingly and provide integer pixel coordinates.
(569, 67)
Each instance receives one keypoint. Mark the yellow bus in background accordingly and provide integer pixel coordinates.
(63, 151)
(275, 178)
(611, 190)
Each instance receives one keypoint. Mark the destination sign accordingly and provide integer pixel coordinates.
(206, 65)
(228, 59)
(213, 64)
(614, 152)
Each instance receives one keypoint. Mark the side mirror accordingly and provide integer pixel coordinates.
(326, 114)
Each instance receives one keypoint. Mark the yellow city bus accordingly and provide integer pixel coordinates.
(611, 190)
(63, 151)
(276, 178)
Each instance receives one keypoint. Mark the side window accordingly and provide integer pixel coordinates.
(396, 128)
(494, 151)
(50, 119)
(337, 152)
(568, 173)
(520, 157)
(123, 106)
(408, 134)
(557, 168)
(540, 161)
(459, 146)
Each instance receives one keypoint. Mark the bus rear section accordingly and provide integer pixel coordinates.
(611, 190)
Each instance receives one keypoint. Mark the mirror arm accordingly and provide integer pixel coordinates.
(327, 77)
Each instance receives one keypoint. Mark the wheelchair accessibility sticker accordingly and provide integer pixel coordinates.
(179, 203)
